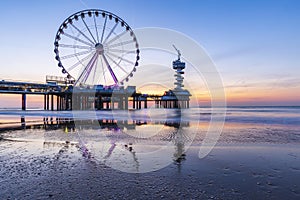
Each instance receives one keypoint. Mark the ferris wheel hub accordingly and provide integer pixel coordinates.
(99, 48)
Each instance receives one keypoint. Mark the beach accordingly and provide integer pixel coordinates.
(150, 100)
(55, 155)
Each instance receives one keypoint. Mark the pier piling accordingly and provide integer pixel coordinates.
(23, 101)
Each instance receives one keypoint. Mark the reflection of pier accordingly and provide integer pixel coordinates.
(68, 124)
(51, 123)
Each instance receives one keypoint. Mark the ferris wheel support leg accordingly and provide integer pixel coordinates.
(110, 70)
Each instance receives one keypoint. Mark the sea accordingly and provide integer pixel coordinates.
(201, 126)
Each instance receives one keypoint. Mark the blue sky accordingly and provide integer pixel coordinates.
(255, 44)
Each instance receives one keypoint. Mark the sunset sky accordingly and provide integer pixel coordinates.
(255, 45)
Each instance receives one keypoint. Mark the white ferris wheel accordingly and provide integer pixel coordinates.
(96, 47)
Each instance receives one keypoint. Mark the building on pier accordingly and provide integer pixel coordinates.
(177, 97)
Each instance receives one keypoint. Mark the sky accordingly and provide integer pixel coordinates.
(254, 44)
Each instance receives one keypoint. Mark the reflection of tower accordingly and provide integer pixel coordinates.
(179, 142)
(179, 137)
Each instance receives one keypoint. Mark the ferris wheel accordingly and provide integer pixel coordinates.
(96, 47)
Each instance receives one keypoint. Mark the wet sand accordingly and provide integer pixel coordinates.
(250, 161)
(34, 171)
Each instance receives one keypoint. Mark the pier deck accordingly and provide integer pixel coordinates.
(65, 97)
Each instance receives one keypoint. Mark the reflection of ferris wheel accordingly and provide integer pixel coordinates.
(96, 47)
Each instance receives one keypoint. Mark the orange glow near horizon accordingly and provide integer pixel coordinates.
(15, 100)
(234, 96)
(152, 89)
(263, 96)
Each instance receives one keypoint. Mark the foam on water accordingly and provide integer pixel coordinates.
(256, 115)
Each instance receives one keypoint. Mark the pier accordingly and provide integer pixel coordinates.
(59, 93)
(58, 97)
(28, 88)
(65, 97)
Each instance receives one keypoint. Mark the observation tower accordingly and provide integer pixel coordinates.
(177, 97)
(178, 66)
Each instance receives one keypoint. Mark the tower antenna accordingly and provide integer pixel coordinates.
(179, 54)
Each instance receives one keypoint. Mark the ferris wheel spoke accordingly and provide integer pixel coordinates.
(122, 51)
(103, 28)
(122, 43)
(95, 68)
(79, 62)
(77, 39)
(82, 33)
(111, 31)
(118, 64)
(96, 29)
(89, 30)
(110, 69)
(75, 54)
(85, 70)
(89, 70)
(103, 71)
(116, 37)
(119, 57)
(75, 46)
